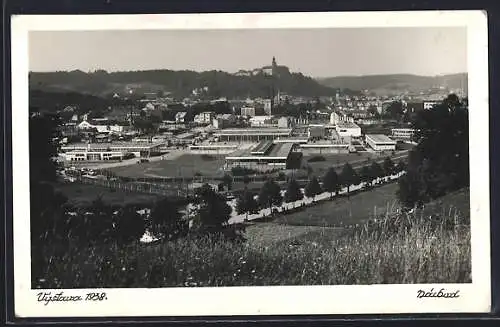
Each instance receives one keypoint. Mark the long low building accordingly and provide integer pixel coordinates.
(142, 149)
(252, 134)
(213, 148)
(73, 156)
(404, 134)
(380, 142)
(264, 156)
(313, 148)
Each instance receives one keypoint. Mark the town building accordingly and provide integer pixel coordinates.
(264, 156)
(139, 149)
(260, 121)
(337, 117)
(73, 156)
(403, 134)
(69, 130)
(248, 111)
(268, 104)
(103, 126)
(347, 129)
(204, 117)
(180, 117)
(224, 121)
(380, 142)
(430, 104)
(252, 134)
(322, 148)
(285, 122)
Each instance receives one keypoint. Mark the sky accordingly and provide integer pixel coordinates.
(329, 52)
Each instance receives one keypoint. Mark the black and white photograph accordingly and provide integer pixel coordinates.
(251, 164)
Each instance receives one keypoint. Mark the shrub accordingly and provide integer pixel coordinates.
(316, 159)
(207, 157)
(242, 171)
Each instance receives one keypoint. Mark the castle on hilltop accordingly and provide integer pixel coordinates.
(273, 70)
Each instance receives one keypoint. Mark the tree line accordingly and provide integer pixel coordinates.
(270, 194)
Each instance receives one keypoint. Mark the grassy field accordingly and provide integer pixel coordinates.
(370, 204)
(418, 254)
(186, 165)
(82, 195)
(358, 208)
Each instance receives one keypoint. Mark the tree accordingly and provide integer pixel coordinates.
(440, 160)
(313, 188)
(395, 110)
(270, 194)
(46, 215)
(309, 170)
(372, 110)
(388, 166)
(366, 175)
(214, 212)
(331, 182)
(228, 181)
(293, 192)
(376, 170)
(246, 203)
(144, 125)
(401, 166)
(129, 225)
(246, 180)
(348, 177)
(167, 220)
(43, 147)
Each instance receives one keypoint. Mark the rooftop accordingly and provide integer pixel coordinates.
(346, 124)
(262, 147)
(111, 145)
(277, 151)
(255, 131)
(380, 138)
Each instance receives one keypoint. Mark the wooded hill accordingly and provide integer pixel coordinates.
(396, 83)
(177, 83)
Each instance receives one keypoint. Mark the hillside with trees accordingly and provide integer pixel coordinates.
(177, 83)
(396, 83)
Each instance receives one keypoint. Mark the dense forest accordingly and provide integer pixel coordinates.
(177, 83)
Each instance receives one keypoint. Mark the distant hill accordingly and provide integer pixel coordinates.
(177, 83)
(396, 83)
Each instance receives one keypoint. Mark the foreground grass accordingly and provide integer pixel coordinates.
(417, 252)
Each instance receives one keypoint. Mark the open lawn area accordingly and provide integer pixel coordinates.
(345, 211)
(368, 204)
(313, 225)
(187, 165)
(83, 194)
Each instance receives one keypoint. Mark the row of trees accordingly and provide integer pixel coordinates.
(270, 194)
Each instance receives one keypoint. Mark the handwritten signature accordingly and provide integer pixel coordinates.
(442, 293)
(48, 297)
